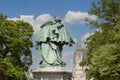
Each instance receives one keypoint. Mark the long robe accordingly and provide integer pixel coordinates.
(51, 38)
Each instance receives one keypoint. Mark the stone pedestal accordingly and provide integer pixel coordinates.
(52, 73)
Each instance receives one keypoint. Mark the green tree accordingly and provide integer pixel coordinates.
(15, 44)
(103, 46)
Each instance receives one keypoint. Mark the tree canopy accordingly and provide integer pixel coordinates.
(15, 44)
(103, 55)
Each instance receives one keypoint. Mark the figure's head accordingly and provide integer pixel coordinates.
(57, 19)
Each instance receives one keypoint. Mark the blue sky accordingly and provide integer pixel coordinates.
(15, 8)
(36, 12)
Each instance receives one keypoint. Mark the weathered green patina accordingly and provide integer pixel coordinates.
(51, 39)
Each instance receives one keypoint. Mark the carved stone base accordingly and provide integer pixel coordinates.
(52, 73)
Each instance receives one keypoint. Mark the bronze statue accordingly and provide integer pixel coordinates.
(51, 39)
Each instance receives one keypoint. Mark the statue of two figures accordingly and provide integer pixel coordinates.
(51, 39)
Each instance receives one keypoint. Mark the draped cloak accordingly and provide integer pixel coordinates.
(52, 37)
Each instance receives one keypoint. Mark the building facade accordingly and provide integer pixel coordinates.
(79, 72)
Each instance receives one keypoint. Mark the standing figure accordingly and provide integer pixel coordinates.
(51, 39)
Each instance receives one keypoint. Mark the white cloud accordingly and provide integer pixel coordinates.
(40, 20)
(36, 23)
(78, 17)
(28, 18)
(13, 19)
(84, 37)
